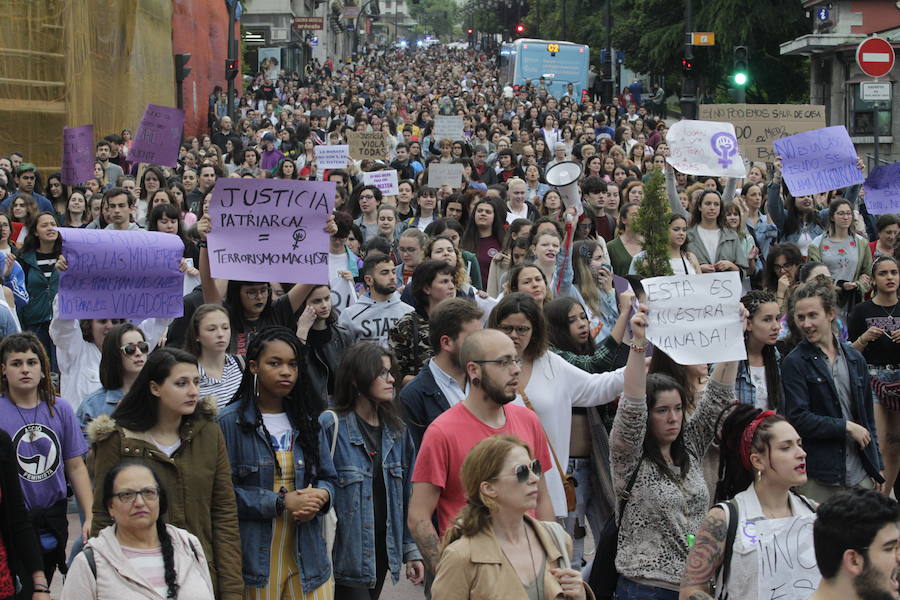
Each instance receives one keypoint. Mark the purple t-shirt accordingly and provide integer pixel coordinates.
(42, 442)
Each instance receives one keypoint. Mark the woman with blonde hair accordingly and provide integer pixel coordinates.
(496, 549)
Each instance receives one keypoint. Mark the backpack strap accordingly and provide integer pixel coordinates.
(92, 563)
(730, 507)
(334, 436)
(804, 500)
(627, 493)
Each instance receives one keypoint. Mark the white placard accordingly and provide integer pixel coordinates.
(386, 181)
(696, 319)
(705, 148)
(875, 91)
(450, 127)
(332, 157)
(445, 174)
(787, 567)
(343, 293)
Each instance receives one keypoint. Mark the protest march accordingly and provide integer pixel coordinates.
(396, 319)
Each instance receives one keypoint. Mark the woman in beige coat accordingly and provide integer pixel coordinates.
(495, 549)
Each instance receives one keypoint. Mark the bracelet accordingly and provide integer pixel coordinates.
(202, 244)
(638, 348)
(40, 587)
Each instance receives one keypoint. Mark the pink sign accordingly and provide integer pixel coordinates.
(270, 230)
(78, 154)
(158, 136)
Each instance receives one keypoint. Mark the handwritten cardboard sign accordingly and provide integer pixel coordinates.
(445, 174)
(386, 181)
(696, 319)
(120, 274)
(883, 189)
(78, 154)
(450, 127)
(332, 157)
(158, 136)
(367, 145)
(818, 161)
(787, 567)
(270, 230)
(758, 125)
(705, 148)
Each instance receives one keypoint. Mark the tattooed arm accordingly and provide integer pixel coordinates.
(422, 504)
(705, 557)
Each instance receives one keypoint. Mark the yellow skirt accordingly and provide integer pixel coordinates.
(284, 576)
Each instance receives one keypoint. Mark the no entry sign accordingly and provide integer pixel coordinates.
(875, 57)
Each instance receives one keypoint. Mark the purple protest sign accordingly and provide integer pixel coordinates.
(818, 161)
(883, 190)
(120, 274)
(78, 154)
(158, 136)
(270, 230)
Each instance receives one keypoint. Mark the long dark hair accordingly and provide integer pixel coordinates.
(662, 364)
(733, 477)
(471, 236)
(752, 300)
(300, 405)
(165, 541)
(111, 357)
(656, 383)
(795, 219)
(362, 363)
(557, 314)
(138, 410)
(32, 243)
(236, 307)
(522, 303)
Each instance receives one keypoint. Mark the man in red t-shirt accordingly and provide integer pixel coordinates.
(492, 370)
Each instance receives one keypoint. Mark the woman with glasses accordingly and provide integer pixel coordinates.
(782, 267)
(125, 350)
(496, 548)
(283, 476)
(549, 385)
(139, 555)
(846, 254)
(48, 446)
(163, 421)
(373, 456)
(411, 248)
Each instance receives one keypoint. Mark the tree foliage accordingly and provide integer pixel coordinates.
(652, 223)
(651, 32)
(437, 17)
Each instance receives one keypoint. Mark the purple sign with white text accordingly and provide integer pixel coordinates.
(158, 136)
(120, 274)
(270, 230)
(818, 161)
(78, 154)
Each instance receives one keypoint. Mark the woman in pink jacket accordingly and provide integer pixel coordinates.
(139, 557)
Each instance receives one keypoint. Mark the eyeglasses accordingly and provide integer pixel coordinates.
(148, 494)
(784, 266)
(504, 363)
(130, 349)
(519, 329)
(385, 373)
(523, 472)
(843, 213)
(367, 196)
(258, 292)
(407, 250)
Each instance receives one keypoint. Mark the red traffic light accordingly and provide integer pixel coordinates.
(231, 68)
(520, 28)
(687, 64)
(470, 31)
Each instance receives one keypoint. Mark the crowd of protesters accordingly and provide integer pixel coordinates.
(471, 393)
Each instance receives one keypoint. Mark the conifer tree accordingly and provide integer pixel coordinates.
(652, 223)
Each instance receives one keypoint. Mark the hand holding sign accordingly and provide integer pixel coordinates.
(818, 161)
(705, 148)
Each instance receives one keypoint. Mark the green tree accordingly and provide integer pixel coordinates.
(438, 17)
(652, 223)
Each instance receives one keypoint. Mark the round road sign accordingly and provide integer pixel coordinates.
(875, 57)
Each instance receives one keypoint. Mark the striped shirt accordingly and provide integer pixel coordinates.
(222, 389)
(149, 565)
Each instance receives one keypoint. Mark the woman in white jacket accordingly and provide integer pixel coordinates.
(139, 557)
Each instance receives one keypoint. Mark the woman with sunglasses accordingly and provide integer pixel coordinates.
(139, 555)
(282, 472)
(124, 353)
(374, 477)
(163, 420)
(496, 548)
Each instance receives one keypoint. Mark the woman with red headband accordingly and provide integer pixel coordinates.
(762, 459)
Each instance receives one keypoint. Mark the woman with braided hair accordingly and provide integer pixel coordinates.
(762, 458)
(759, 376)
(139, 555)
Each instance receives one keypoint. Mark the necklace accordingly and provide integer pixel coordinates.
(530, 554)
(886, 313)
(30, 434)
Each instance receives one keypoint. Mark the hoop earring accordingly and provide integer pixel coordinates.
(255, 392)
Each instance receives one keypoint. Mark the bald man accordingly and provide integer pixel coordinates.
(492, 370)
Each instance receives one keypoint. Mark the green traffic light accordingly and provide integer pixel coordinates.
(740, 78)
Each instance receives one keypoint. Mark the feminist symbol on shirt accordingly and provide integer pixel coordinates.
(37, 452)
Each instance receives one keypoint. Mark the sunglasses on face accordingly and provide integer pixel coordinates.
(130, 349)
(523, 472)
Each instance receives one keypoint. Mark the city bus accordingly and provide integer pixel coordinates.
(559, 63)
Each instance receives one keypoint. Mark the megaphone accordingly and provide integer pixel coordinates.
(563, 176)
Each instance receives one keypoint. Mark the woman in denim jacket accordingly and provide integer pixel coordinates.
(282, 472)
(371, 503)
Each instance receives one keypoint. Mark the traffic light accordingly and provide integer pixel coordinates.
(687, 66)
(181, 68)
(470, 31)
(741, 71)
(231, 68)
(520, 28)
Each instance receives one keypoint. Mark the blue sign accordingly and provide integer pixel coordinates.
(822, 14)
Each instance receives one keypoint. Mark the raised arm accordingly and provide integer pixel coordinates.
(672, 193)
(212, 294)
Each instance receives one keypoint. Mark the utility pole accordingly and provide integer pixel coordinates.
(609, 90)
(565, 22)
(232, 19)
(688, 84)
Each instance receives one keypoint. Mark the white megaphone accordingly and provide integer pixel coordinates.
(563, 176)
